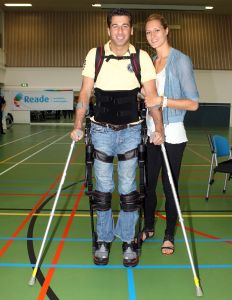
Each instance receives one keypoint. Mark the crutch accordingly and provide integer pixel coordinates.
(33, 277)
(196, 280)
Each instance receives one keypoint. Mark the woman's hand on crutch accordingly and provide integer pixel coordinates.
(77, 134)
(156, 138)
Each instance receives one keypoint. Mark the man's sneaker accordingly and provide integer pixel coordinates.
(130, 256)
(101, 255)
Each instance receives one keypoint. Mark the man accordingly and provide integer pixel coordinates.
(2, 107)
(116, 131)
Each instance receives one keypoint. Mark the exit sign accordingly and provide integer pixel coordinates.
(24, 84)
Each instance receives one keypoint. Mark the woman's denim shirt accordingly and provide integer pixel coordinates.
(179, 84)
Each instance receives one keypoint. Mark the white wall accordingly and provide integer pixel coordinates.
(213, 86)
(37, 79)
(43, 78)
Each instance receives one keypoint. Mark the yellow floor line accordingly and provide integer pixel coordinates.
(44, 215)
(207, 216)
(115, 215)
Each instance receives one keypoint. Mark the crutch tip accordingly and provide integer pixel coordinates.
(31, 282)
(199, 291)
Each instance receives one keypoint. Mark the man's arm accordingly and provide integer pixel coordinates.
(82, 107)
(150, 91)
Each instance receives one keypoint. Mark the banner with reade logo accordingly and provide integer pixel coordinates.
(41, 100)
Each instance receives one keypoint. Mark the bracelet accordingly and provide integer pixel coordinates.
(165, 102)
(162, 101)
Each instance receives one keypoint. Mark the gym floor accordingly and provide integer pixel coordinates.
(32, 159)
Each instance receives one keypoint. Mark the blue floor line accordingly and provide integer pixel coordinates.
(75, 266)
(131, 285)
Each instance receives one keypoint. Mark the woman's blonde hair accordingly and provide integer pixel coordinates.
(158, 17)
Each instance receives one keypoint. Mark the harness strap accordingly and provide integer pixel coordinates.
(103, 156)
(128, 155)
(98, 61)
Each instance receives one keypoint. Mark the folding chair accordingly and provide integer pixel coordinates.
(220, 148)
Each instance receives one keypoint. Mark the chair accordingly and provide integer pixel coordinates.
(220, 148)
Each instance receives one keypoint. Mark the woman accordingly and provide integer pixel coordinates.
(178, 92)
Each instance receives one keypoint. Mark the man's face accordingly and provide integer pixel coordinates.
(120, 30)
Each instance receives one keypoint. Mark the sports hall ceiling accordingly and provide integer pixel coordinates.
(220, 6)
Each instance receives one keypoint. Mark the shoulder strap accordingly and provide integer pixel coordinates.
(100, 54)
(136, 65)
(135, 62)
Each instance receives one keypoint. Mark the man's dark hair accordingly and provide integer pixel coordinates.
(118, 12)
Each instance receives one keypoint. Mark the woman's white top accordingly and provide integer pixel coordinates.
(174, 132)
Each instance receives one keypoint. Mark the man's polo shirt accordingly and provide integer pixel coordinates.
(118, 74)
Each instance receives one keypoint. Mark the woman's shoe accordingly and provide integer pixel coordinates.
(147, 234)
(144, 235)
(168, 245)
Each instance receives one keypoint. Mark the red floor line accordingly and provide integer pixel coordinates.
(21, 226)
(195, 231)
(56, 257)
(24, 195)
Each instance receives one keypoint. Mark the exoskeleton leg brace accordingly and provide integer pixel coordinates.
(98, 200)
(134, 200)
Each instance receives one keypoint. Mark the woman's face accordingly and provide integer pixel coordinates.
(156, 34)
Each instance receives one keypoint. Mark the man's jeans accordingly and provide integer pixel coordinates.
(112, 143)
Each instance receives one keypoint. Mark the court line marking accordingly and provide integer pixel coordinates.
(37, 194)
(192, 144)
(30, 135)
(25, 150)
(74, 194)
(210, 236)
(193, 166)
(76, 266)
(89, 240)
(32, 155)
(198, 154)
(59, 249)
(131, 284)
(24, 222)
(114, 215)
(45, 163)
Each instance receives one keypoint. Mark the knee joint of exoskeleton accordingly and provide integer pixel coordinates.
(101, 201)
(130, 202)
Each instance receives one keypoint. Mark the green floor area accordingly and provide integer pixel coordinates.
(32, 160)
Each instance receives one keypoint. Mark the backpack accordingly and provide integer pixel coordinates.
(134, 57)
